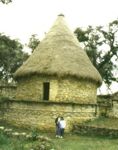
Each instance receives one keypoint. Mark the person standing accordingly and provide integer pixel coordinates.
(62, 125)
(57, 120)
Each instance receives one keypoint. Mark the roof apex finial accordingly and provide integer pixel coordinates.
(61, 15)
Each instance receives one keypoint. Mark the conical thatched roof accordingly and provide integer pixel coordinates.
(59, 54)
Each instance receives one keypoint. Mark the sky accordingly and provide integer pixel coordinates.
(22, 18)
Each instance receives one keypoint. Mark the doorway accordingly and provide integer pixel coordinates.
(46, 88)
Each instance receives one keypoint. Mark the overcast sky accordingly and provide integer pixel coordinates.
(22, 18)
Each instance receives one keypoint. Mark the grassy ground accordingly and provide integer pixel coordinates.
(69, 142)
(86, 143)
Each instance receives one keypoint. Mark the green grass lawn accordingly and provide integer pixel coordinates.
(86, 143)
(69, 142)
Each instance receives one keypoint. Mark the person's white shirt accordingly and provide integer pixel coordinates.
(62, 123)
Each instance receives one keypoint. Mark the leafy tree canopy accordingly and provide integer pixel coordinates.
(11, 57)
(101, 45)
(5, 1)
(33, 42)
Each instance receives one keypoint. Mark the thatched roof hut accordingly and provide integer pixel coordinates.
(59, 54)
(58, 79)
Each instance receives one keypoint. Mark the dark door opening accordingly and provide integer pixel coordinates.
(46, 87)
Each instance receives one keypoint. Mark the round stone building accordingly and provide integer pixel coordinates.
(58, 78)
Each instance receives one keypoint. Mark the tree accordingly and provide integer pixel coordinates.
(101, 45)
(11, 57)
(33, 42)
(5, 1)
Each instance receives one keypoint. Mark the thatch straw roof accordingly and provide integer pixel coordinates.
(60, 54)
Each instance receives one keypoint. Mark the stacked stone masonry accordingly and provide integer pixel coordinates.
(65, 90)
(8, 91)
(42, 115)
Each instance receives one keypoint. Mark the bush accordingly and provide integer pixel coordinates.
(34, 134)
(4, 99)
(43, 146)
(3, 139)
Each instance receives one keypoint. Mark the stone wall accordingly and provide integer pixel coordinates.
(63, 89)
(114, 111)
(108, 105)
(42, 115)
(104, 108)
(8, 91)
(93, 130)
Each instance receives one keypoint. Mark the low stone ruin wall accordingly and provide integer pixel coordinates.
(91, 130)
(8, 91)
(42, 115)
(114, 111)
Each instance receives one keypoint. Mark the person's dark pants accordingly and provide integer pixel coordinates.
(62, 132)
(57, 130)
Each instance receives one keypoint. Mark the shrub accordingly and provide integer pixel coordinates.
(3, 139)
(4, 99)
